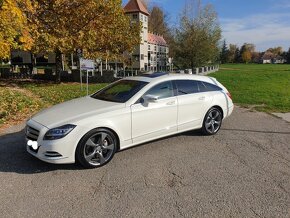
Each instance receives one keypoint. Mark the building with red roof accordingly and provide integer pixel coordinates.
(152, 53)
(136, 6)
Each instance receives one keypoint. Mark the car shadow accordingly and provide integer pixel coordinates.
(188, 133)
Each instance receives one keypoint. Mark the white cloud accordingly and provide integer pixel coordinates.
(264, 30)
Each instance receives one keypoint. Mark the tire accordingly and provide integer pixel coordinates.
(96, 148)
(212, 121)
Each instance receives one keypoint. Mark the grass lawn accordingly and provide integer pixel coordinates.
(266, 87)
(20, 100)
(15, 105)
(263, 87)
(56, 93)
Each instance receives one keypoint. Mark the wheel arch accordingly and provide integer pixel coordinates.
(115, 134)
(219, 108)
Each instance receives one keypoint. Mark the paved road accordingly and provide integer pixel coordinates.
(244, 171)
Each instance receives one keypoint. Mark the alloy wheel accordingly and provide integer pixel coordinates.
(99, 148)
(213, 121)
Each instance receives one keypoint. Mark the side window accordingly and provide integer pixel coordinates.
(208, 87)
(186, 87)
(162, 90)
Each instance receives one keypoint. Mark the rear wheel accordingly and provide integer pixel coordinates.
(212, 122)
(96, 148)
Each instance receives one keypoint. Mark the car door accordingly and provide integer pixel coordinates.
(152, 120)
(192, 104)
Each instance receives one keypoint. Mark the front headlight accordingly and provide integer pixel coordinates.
(58, 132)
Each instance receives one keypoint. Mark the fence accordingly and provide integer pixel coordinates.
(200, 71)
(107, 76)
(204, 70)
(49, 75)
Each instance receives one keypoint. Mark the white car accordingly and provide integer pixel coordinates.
(131, 111)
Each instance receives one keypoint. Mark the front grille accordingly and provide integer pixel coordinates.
(32, 133)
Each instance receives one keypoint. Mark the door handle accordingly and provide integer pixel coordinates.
(201, 98)
(170, 103)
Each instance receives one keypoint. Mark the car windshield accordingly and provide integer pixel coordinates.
(120, 91)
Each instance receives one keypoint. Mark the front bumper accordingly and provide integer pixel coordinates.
(60, 151)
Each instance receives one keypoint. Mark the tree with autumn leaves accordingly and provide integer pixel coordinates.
(99, 27)
(14, 28)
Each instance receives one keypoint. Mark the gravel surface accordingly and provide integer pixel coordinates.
(243, 171)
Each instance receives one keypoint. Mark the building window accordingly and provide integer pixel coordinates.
(155, 48)
(135, 16)
(149, 47)
(141, 17)
(142, 56)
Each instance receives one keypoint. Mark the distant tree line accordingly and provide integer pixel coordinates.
(247, 54)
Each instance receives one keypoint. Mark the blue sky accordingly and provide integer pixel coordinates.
(266, 23)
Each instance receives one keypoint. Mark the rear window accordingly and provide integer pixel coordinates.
(208, 87)
(186, 87)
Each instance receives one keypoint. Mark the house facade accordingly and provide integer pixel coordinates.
(152, 52)
(270, 58)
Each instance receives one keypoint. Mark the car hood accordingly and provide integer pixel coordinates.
(74, 110)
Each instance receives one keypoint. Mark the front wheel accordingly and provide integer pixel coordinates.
(96, 148)
(212, 122)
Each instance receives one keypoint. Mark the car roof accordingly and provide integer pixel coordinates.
(159, 77)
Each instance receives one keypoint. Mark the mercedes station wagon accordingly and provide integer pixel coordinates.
(90, 130)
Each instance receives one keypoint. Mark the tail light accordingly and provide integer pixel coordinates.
(229, 94)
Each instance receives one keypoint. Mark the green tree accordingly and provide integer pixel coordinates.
(288, 56)
(198, 37)
(100, 28)
(231, 53)
(238, 57)
(224, 55)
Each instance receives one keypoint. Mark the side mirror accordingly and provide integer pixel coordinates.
(150, 98)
